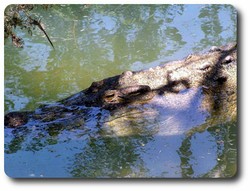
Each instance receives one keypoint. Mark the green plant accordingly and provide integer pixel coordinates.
(18, 15)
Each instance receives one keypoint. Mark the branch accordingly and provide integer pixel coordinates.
(37, 23)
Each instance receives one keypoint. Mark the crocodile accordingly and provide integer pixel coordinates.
(209, 78)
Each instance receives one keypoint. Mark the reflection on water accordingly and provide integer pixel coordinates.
(88, 153)
(97, 41)
(194, 152)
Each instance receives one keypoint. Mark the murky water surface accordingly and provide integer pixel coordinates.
(98, 41)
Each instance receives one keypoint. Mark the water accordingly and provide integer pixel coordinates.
(95, 42)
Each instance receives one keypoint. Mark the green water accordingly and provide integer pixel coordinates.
(95, 42)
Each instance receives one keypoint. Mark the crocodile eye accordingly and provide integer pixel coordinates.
(109, 95)
(132, 94)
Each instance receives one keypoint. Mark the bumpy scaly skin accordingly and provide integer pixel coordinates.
(130, 94)
(214, 72)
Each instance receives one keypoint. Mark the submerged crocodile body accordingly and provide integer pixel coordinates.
(210, 79)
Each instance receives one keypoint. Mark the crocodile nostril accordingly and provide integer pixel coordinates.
(127, 73)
